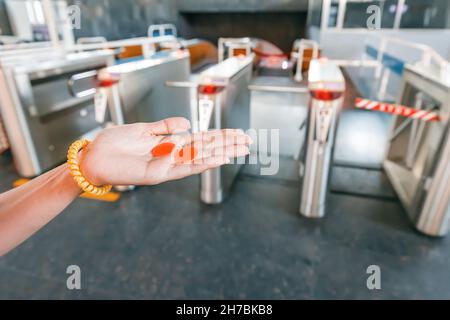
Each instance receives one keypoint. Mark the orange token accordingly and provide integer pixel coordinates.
(188, 153)
(163, 149)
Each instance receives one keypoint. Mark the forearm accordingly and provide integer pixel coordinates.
(26, 209)
(118, 155)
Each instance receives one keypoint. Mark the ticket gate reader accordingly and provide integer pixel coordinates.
(417, 159)
(326, 86)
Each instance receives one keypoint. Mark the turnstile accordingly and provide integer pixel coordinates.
(417, 160)
(141, 92)
(326, 84)
(232, 47)
(47, 102)
(220, 98)
(223, 108)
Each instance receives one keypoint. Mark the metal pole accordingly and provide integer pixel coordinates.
(49, 14)
(434, 218)
(398, 14)
(341, 14)
(211, 190)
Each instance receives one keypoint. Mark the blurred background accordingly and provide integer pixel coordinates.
(348, 102)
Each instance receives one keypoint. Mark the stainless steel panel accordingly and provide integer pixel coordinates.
(418, 155)
(280, 103)
(42, 117)
(142, 90)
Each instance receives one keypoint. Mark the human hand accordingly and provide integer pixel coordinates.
(122, 155)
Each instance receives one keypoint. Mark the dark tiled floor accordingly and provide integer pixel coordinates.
(161, 242)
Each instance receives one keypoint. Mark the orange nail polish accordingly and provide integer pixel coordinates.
(163, 149)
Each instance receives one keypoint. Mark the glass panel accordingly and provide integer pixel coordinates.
(315, 12)
(334, 9)
(426, 14)
(388, 13)
(356, 15)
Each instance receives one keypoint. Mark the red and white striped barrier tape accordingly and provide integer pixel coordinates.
(396, 109)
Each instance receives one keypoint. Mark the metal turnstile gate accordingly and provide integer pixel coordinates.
(228, 106)
(43, 94)
(326, 85)
(417, 160)
(220, 98)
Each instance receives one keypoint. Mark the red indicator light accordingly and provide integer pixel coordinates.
(163, 149)
(210, 89)
(325, 95)
(239, 52)
(107, 82)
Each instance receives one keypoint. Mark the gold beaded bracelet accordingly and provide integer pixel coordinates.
(75, 172)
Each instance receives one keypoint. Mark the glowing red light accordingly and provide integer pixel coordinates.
(239, 52)
(107, 82)
(209, 89)
(326, 95)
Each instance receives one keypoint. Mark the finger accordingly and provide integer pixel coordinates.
(184, 170)
(169, 126)
(209, 136)
(221, 140)
(229, 151)
(203, 156)
(206, 140)
(216, 136)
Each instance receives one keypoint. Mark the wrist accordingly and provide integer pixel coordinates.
(88, 168)
(64, 173)
(73, 160)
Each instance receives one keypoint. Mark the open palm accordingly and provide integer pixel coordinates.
(122, 155)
